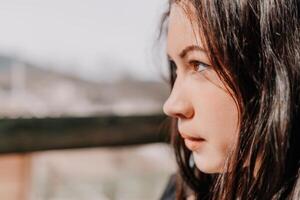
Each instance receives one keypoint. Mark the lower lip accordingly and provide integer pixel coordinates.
(193, 145)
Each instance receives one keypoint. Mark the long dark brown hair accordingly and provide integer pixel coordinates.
(254, 46)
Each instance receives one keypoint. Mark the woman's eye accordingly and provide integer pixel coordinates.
(198, 66)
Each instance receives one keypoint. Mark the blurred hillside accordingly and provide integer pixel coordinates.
(28, 90)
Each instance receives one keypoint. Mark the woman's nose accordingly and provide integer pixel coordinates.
(178, 105)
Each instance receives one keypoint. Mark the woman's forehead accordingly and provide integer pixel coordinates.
(182, 30)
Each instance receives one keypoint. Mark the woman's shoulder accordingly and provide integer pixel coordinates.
(170, 189)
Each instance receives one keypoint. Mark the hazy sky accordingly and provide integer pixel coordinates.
(91, 38)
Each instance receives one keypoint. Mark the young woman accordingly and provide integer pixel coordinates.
(235, 77)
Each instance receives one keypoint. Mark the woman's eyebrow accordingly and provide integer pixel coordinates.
(190, 48)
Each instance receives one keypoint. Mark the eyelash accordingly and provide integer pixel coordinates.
(192, 63)
(196, 63)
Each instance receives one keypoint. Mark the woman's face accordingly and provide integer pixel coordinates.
(207, 114)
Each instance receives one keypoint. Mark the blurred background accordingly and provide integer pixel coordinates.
(82, 84)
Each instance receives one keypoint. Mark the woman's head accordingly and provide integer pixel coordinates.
(199, 100)
(235, 78)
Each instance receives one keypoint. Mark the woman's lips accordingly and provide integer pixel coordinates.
(191, 142)
(193, 145)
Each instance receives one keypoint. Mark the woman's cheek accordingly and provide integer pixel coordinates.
(217, 114)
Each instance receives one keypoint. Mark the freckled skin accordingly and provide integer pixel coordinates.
(199, 100)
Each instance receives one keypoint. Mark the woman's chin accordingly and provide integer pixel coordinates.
(206, 166)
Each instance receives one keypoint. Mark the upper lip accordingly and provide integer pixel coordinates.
(190, 137)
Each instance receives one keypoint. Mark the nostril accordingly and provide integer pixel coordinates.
(180, 116)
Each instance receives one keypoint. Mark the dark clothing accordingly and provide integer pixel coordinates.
(170, 190)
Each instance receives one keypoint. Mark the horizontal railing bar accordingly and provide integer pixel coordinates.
(29, 135)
